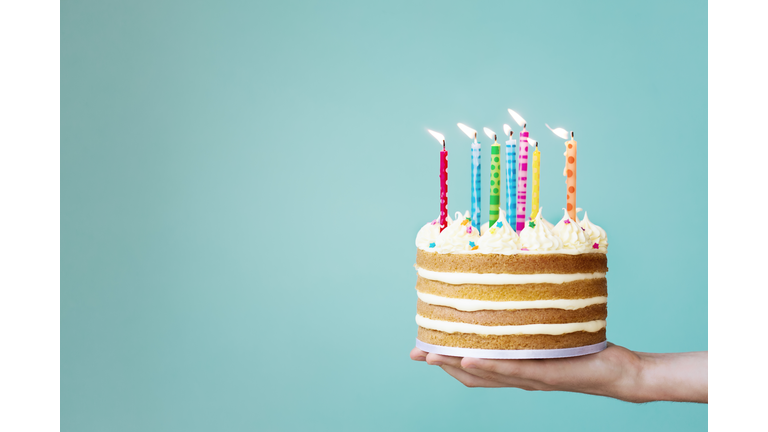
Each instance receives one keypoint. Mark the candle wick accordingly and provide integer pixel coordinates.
(443, 145)
(494, 137)
(571, 134)
(525, 125)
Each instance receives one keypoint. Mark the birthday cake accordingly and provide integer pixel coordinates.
(544, 289)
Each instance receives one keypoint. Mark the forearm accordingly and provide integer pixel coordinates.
(678, 377)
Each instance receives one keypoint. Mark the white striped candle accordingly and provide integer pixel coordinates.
(511, 177)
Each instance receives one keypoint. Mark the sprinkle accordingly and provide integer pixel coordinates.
(464, 222)
(474, 248)
(525, 249)
(595, 246)
(471, 244)
(492, 230)
(434, 222)
(469, 229)
(567, 221)
(583, 229)
(498, 224)
(431, 245)
(532, 224)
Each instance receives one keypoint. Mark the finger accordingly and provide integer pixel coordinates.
(468, 379)
(508, 381)
(518, 369)
(418, 355)
(440, 360)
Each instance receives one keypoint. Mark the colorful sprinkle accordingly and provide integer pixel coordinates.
(525, 249)
(567, 221)
(583, 229)
(471, 244)
(498, 224)
(431, 245)
(464, 222)
(469, 229)
(475, 248)
(492, 230)
(532, 224)
(434, 222)
(595, 246)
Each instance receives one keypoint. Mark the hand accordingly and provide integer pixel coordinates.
(614, 372)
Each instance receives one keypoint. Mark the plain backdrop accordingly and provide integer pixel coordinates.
(242, 183)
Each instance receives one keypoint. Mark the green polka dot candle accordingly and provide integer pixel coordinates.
(495, 191)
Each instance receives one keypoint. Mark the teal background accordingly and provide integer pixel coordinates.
(242, 183)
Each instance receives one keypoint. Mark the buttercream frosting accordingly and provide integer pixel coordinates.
(597, 236)
(469, 305)
(548, 329)
(504, 278)
(460, 236)
(428, 234)
(500, 238)
(571, 233)
(536, 236)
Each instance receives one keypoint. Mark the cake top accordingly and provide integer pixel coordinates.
(569, 236)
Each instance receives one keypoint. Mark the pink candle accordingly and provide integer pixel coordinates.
(443, 188)
(522, 180)
(443, 180)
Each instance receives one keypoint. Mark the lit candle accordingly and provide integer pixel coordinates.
(475, 187)
(535, 187)
(443, 180)
(495, 191)
(570, 176)
(569, 171)
(511, 176)
(522, 172)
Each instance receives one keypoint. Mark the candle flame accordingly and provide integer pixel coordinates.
(467, 130)
(507, 129)
(519, 120)
(440, 138)
(562, 133)
(491, 134)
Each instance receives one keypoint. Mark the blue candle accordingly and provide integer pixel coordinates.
(511, 177)
(475, 178)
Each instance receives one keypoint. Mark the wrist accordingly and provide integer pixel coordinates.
(678, 377)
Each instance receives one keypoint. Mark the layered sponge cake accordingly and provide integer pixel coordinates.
(545, 289)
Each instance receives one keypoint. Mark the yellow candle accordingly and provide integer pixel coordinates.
(535, 196)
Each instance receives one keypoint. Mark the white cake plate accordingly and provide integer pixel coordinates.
(511, 354)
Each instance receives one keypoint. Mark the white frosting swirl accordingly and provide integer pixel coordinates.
(536, 236)
(571, 234)
(547, 223)
(595, 234)
(457, 236)
(500, 238)
(429, 232)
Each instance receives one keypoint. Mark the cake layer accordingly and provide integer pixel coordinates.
(513, 264)
(504, 278)
(536, 341)
(513, 317)
(580, 289)
(477, 305)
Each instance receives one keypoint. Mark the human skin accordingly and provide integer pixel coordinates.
(615, 372)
